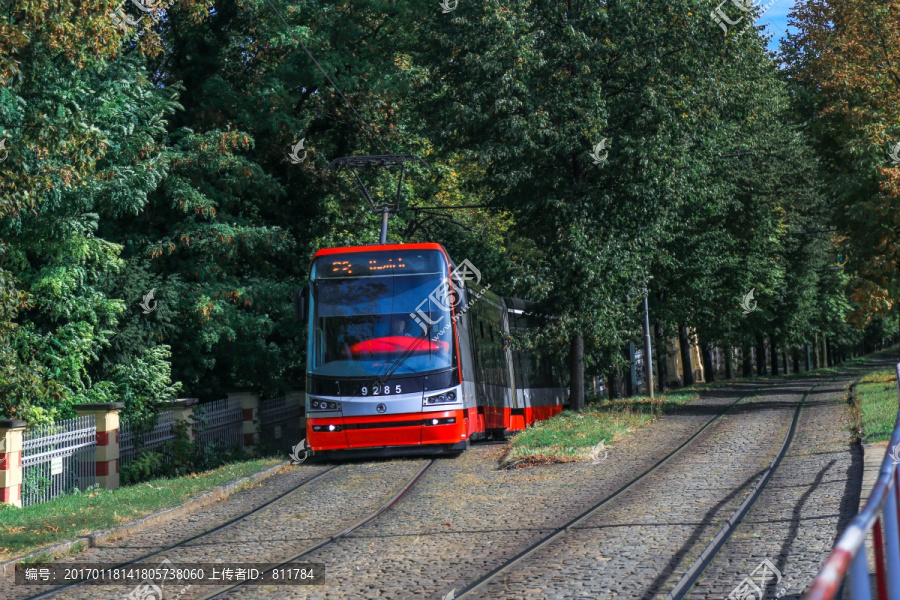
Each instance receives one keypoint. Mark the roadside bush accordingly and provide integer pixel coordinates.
(180, 456)
(147, 465)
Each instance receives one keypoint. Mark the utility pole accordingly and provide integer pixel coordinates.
(648, 357)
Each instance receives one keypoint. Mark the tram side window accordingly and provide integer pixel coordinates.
(490, 361)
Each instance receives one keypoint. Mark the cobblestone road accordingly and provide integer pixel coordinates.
(316, 511)
(466, 517)
(809, 501)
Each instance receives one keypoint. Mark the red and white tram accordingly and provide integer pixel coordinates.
(407, 354)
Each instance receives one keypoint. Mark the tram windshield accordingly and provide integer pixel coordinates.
(379, 312)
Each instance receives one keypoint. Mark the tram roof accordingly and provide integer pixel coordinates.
(381, 248)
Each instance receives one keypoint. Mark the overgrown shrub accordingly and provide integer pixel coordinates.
(146, 465)
(179, 456)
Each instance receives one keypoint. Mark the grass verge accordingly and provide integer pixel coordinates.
(67, 517)
(571, 436)
(876, 403)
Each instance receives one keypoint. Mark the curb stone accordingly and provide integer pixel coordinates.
(220, 492)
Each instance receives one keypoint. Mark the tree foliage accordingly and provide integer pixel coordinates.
(151, 153)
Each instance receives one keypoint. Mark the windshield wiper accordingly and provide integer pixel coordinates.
(402, 358)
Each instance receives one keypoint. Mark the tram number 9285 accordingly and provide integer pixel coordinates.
(379, 390)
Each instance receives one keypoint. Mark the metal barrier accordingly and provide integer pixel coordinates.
(58, 458)
(281, 424)
(879, 516)
(219, 422)
(131, 441)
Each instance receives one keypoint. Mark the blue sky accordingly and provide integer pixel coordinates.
(775, 20)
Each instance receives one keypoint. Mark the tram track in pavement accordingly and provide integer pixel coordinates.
(321, 544)
(474, 588)
(722, 411)
(712, 549)
(352, 549)
(810, 500)
(185, 542)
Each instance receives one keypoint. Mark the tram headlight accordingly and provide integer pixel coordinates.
(324, 405)
(444, 398)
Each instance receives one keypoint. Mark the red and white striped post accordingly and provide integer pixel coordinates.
(106, 415)
(250, 412)
(11, 434)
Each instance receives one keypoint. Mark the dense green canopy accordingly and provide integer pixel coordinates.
(615, 149)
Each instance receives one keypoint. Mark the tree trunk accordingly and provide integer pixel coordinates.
(709, 370)
(615, 384)
(576, 373)
(760, 355)
(817, 361)
(686, 363)
(747, 359)
(774, 358)
(729, 362)
(662, 359)
(796, 356)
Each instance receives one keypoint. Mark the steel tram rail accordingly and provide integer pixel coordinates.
(185, 542)
(372, 516)
(470, 589)
(709, 553)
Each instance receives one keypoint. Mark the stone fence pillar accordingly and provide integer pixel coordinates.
(106, 415)
(183, 410)
(11, 433)
(250, 412)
